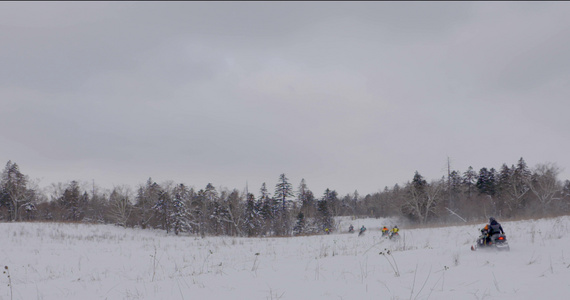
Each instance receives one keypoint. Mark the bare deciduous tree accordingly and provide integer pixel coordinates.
(423, 198)
(544, 184)
(120, 205)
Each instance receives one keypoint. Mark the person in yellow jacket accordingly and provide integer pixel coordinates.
(394, 231)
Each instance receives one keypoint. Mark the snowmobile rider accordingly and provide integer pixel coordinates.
(493, 228)
(384, 231)
(351, 228)
(395, 230)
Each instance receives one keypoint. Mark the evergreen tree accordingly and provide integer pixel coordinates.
(469, 180)
(419, 183)
(199, 212)
(504, 179)
(325, 220)
(306, 199)
(522, 169)
(210, 193)
(486, 182)
(147, 197)
(163, 210)
(335, 206)
(355, 197)
(455, 181)
(212, 212)
(267, 210)
(503, 187)
(283, 190)
(15, 193)
(252, 217)
(302, 193)
(180, 215)
(99, 205)
(300, 224)
(72, 201)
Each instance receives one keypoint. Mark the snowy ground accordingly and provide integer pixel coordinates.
(71, 261)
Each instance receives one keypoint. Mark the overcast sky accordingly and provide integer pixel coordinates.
(349, 96)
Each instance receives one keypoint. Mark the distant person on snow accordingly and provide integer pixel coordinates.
(384, 231)
(351, 228)
(362, 230)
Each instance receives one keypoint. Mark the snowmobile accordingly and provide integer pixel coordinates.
(497, 241)
(350, 229)
(362, 230)
(394, 236)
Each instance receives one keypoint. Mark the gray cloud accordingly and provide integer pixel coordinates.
(346, 95)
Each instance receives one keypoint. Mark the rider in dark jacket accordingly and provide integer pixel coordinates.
(495, 228)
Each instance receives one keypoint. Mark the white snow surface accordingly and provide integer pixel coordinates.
(81, 261)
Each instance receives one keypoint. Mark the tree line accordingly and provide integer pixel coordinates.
(512, 192)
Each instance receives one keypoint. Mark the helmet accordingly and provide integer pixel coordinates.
(491, 219)
(395, 226)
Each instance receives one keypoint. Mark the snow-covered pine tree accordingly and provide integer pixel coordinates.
(454, 188)
(299, 227)
(302, 192)
(180, 214)
(215, 211)
(307, 200)
(147, 196)
(71, 201)
(252, 217)
(354, 204)
(324, 216)
(486, 183)
(198, 211)
(162, 210)
(283, 190)
(469, 180)
(269, 210)
(15, 193)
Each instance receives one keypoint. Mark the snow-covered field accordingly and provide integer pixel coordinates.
(76, 261)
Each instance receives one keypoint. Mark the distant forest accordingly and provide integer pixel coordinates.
(508, 193)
